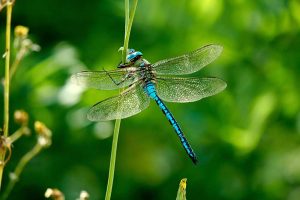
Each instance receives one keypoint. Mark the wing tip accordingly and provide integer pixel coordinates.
(221, 85)
(77, 79)
(224, 84)
(217, 49)
(74, 78)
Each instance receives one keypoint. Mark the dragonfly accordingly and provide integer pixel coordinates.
(161, 81)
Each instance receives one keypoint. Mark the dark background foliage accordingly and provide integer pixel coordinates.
(247, 137)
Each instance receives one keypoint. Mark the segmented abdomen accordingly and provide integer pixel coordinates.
(151, 91)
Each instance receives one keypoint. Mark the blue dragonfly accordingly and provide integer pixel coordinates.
(143, 81)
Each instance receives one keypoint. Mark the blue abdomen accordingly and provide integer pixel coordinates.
(151, 92)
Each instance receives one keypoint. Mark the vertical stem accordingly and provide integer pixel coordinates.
(124, 52)
(113, 160)
(6, 86)
(7, 60)
(128, 27)
(128, 24)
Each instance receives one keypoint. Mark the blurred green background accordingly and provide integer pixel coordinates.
(247, 138)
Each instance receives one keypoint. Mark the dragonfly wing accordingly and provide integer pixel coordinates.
(182, 90)
(188, 63)
(106, 80)
(128, 103)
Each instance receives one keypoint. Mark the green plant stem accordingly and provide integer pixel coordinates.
(113, 159)
(128, 24)
(7, 66)
(15, 175)
(124, 52)
(6, 86)
(15, 64)
(17, 134)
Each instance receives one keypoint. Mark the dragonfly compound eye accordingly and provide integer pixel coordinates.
(130, 51)
(133, 56)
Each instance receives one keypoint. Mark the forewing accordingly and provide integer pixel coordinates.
(106, 80)
(182, 90)
(188, 63)
(122, 106)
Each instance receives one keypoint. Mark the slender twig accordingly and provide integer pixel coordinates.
(14, 177)
(43, 141)
(23, 46)
(23, 130)
(128, 24)
(6, 85)
(15, 64)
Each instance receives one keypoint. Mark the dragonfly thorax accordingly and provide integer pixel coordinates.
(135, 58)
(146, 71)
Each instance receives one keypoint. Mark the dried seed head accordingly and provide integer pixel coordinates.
(5, 145)
(4, 3)
(84, 195)
(30, 46)
(13, 176)
(35, 47)
(54, 194)
(44, 134)
(21, 31)
(7, 1)
(21, 117)
(22, 43)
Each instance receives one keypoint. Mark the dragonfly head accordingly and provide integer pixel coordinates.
(133, 55)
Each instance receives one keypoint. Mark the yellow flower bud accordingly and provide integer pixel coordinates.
(44, 134)
(21, 31)
(21, 117)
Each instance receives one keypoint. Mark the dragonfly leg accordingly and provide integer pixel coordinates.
(121, 65)
(113, 80)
